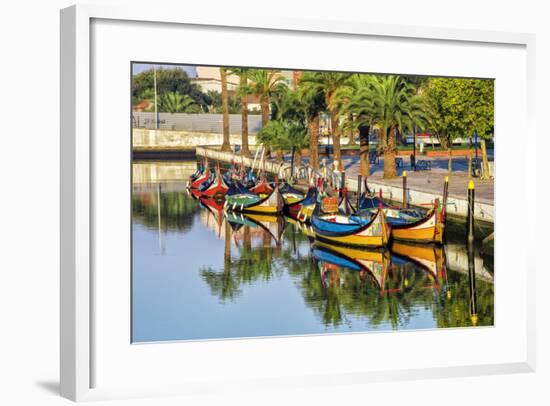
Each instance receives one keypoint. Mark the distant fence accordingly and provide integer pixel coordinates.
(204, 123)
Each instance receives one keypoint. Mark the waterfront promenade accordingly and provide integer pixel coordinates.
(422, 186)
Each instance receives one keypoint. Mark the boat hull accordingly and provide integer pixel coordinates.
(272, 204)
(333, 230)
(427, 230)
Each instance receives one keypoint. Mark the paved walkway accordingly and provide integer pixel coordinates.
(426, 181)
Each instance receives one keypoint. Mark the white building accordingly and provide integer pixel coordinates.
(209, 78)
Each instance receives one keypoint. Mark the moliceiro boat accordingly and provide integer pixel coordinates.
(201, 176)
(302, 210)
(336, 228)
(215, 187)
(429, 229)
(244, 201)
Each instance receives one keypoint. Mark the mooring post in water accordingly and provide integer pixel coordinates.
(471, 201)
(404, 189)
(445, 194)
(472, 282)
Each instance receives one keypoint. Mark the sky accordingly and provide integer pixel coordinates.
(140, 67)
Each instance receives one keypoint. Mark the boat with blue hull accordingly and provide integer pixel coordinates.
(357, 231)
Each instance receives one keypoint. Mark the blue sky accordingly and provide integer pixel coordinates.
(140, 67)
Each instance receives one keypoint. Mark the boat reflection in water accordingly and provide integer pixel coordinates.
(202, 272)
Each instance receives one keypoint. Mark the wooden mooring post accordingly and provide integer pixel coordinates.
(471, 207)
(404, 189)
(359, 186)
(445, 196)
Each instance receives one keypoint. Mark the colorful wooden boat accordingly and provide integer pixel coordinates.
(351, 230)
(302, 210)
(290, 194)
(216, 187)
(262, 187)
(247, 202)
(198, 178)
(369, 203)
(429, 229)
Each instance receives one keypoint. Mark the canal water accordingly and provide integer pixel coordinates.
(198, 274)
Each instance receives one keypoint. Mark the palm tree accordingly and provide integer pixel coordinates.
(243, 92)
(329, 83)
(226, 146)
(265, 83)
(175, 102)
(313, 103)
(394, 107)
(360, 116)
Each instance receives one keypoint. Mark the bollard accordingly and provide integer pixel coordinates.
(445, 195)
(359, 185)
(404, 189)
(342, 184)
(471, 201)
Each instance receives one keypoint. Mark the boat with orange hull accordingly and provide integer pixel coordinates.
(429, 229)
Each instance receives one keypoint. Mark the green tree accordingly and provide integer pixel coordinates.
(174, 102)
(360, 115)
(329, 83)
(393, 105)
(458, 108)
(215, 106)
(265, 83)
(313, 103)
(168, 80)
(284, 135)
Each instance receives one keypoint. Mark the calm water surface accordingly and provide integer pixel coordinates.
(200, 275)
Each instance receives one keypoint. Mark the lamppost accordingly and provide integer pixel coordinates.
(155, 85)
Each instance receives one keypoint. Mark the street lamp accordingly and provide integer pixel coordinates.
(155, 85)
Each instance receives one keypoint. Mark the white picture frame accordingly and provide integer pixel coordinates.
(77, 188)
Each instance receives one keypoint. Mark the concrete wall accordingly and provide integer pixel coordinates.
(203, 123)
(145, 138)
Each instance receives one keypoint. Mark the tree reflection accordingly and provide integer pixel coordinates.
(177, 210)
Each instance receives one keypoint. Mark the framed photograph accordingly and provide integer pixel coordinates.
(290, 202)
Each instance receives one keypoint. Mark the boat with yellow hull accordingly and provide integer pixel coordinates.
(271, 204)
(429, 257)
(429, 229)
